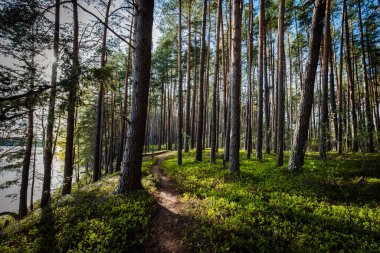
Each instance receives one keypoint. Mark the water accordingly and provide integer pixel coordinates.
(11, 204)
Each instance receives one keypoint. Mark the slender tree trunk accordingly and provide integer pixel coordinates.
(249, 94)
(201, 85)
(259, 141)
(332, 98)
(193, 106)
(324, 125)
(180, 95)
(130, 176)
(100, 104)
(235, 77)
(280, 86)
(23, 208)
(355, 145)
(124, 116)
(187, 136)
(215, 84)
(368, 112)
(300, 134)
(68, 167)
(33, 175)
(48, 150)
(340, 89)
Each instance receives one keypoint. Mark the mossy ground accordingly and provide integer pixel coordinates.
(92, 219)
(330, 206)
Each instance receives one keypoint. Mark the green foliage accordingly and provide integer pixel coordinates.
(93, 219)
(331, 206)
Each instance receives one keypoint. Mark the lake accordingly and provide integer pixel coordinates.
(9, 204)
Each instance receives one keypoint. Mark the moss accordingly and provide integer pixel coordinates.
(92, 219)
(330, 206)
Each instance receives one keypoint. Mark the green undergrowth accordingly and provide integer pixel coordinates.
(92, 219)
(331, 206)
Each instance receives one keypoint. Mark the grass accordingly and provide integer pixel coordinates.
(331, 206)
(92, 219)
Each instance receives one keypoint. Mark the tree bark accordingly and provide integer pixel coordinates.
(370, 146)
(100, 104)
(48, 150)
(300, 135)
(201, 85)
(130, 176)
(324, 125)
(188, 95)
(259, 141)
(235, 77)
(68, 167)
(215, 84)
(180, 92)
(281, 86)
(340, 89)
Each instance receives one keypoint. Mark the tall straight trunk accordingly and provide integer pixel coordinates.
(215, 89)
(48, 150)
(124, 116)
(100, 104)
(23, 208)
(188, 95)
(33, 175)
(130, 175)
(235, 77)
(267, 102)
(281, 86)
(324, 126)
(259, 141)
(193, 102)
(226, 155)
(226, 132)
(333, 99)
(249, 84)
(300, 135)
(201, 85)
(340, 89)
(180, 95)
(355, 145)
(112, 135)
(368, 112)
(68, 167)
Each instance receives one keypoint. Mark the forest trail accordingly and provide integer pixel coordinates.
(167, 226)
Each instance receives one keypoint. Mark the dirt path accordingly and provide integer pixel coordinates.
(167, 227)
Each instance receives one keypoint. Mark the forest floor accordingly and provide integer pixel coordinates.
(332, 206)
(168, 225)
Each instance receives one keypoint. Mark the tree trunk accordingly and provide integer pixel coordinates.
(355, 146)
(235, 77)
(332, 98)
(340, 89)
(100, 104)
(180, 95)
(368, 112)
(249, 84)
(215, 84)
(188, 95)
(68, 167)
(48, 150)
(201, 85)
(300, 134)
(23, 208)
(324, 125)
(130, 176)
(280, 86)
(259, 141)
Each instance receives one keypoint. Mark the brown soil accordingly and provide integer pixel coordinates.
(168, 225)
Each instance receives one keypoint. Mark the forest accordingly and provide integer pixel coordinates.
(189, 126)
